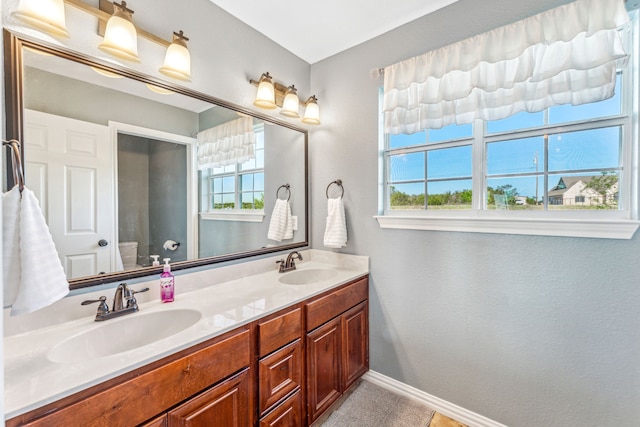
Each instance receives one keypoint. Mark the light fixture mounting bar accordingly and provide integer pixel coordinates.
(104, 13)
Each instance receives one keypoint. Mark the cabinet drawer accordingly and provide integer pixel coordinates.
(336, 303)
(226, 404)
(279, 331)
(287, 414)
(140, 398)
(279, 374)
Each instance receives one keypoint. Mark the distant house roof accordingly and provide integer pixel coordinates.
(566, 182)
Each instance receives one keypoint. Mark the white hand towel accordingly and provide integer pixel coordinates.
(11, 244)
(280, 225)
(335, 233)
(42, 278)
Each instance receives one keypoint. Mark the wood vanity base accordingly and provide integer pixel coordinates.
(260, 374)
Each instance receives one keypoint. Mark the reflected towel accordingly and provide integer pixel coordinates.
(335, 233)
(281, 225)
(40, 279)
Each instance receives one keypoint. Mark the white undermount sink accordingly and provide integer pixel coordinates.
(123, 334)
(307, 277)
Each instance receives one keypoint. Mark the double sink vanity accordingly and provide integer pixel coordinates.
(242, 345)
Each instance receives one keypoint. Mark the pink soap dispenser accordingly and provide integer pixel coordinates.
(166, 282)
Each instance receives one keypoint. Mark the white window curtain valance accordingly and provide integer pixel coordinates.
(229, 143)
(569, 54)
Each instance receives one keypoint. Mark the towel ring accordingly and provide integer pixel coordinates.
(16, 163)
(286, 187)
(337, 182)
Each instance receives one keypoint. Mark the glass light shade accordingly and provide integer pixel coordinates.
(120, 36)
(45, 15)
(291, 103)
(312, 112)
(177, 61)
(266, 95)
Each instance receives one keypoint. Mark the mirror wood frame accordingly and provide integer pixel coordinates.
(14, 107)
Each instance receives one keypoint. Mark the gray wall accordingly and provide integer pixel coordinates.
(527, 331)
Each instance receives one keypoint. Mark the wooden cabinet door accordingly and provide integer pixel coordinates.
(287, 414)
(323, 367)
(226, 405)
(355, 344)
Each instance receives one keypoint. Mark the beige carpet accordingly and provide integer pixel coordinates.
(372, 406)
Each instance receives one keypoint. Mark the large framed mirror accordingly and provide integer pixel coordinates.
(128, 168)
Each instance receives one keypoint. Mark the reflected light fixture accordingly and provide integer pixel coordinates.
(159, 90)
(312, 111)
(266, 95)
(45, 15)
(120, 37)
(291, 103)
(177, 61)
(106, 73)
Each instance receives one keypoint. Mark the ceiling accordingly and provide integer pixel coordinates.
(315, 30)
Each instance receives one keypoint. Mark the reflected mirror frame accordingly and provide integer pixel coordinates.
(13, 76)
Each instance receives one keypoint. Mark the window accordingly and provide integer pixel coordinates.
(554, 172)
(236, 192)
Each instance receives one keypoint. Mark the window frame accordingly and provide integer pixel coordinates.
(616, 224)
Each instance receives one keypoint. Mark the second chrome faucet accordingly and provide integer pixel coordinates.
(289, 264)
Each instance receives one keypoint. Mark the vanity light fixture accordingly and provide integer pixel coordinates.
(45, 15)
(120, 36)
(177, 62)
(271, 95)
(291, 103)
(266, 95)
(312, 111)
(115, 23)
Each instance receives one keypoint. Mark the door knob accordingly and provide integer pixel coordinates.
(102, 243)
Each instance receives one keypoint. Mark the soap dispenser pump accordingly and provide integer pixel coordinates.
(155, 262)
(166, 282)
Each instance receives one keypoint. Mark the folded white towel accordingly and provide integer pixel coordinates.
(42, 280)
(335, 233)
(280, 225)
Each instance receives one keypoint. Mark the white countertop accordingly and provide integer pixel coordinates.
(32, 380)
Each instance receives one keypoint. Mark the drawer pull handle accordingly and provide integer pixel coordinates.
(187, 369)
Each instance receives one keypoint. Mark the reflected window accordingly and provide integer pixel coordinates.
(238, 186)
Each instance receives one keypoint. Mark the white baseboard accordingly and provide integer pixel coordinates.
(445, 408)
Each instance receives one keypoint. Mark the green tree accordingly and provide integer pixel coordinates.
(603, 185)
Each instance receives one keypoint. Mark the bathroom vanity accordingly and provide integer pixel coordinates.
(290, 351)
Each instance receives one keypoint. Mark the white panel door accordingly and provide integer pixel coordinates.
(69, 165)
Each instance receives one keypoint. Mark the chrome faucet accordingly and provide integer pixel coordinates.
(124, 302)
(289, 264)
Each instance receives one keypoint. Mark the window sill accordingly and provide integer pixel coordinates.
(602, 229)
(243, 216)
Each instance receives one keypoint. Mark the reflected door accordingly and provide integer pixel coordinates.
(69, 166)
